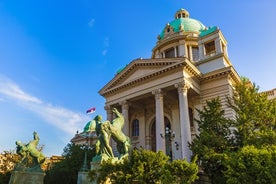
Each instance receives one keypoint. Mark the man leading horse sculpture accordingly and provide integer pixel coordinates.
(106, 130)
(29, 150)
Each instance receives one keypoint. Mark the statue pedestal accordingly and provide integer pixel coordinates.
(83, 178)
(26, 177)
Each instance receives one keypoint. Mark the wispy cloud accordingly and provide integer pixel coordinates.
(91, 23)
(106, 42)
(106, 45)
(104, 52)
(10, 89)
(64, 119)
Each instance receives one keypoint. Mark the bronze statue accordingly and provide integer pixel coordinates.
(31, 157)
(106, 130)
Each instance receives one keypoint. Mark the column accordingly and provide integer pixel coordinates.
(191, 53)
(200, 51)
(125, 107)
(175, 52)
(159, 113)
(218, 46)
(108, 112)
(185, 130)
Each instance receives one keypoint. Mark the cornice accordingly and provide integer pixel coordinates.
(220, 73)
(171, 63)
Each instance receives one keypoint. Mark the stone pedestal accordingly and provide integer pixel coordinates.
(83, 175)
(26, 177)
(83, 178)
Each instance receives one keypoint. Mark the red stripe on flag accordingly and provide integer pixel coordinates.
(91, 110)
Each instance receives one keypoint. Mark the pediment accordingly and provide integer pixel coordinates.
(139, 70)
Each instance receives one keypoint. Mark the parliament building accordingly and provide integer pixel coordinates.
(159, 96)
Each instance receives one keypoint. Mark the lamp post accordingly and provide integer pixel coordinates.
(84, 165)
(169, 137)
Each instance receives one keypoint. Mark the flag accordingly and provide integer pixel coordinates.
(91, 110)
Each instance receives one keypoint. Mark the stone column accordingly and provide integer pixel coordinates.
(125, 107)
(175, 52)
(185, 130)
(108, 112)
(159, 113)
(218, 46)
(201, 51)
(191, 53)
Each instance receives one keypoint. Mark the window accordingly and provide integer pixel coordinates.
(195, 53)
(191, 117)
(169, 53)
(210, 48)
(135, 127)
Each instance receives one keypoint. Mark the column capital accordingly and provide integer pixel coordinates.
(125, 104)
(182, 86)
(158, 93)
(107, 108)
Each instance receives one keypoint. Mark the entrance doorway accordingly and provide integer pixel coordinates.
(166, 136)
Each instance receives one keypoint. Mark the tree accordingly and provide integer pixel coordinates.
(246, 152)
(145, 167)
(255, 122)
(251, 165)
(66, 171)
(9, 159)
(214, 139)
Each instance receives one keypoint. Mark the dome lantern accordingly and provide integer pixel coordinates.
(182, 13)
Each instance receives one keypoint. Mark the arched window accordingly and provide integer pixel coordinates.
(135, 127)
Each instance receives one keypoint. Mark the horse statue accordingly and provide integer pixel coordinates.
(30, 149)
(106, 130)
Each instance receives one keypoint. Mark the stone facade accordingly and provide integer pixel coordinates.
(159, 96)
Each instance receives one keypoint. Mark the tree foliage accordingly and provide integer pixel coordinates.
(145, 167)
(9, 160)
(214, 139)
(251, 165)
(66, 171)
(255, 122)
(225, 155)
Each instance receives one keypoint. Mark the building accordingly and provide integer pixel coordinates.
(84, 139)
(158, 96)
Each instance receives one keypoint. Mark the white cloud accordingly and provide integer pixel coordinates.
(104, 52)
(106, 45)
(91, 23)
(106, 42)
(10, 89)
(64, 119)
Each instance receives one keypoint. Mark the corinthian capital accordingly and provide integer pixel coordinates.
(158, 93)
(125, 104)
(182, 86)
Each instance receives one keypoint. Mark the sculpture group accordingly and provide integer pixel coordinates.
(106, 130)
(31, 157)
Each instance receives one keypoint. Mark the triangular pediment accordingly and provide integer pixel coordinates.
(142, 69)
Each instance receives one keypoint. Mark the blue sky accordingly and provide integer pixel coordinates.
(56, 55)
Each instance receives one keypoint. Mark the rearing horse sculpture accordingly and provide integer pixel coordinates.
(106, 130)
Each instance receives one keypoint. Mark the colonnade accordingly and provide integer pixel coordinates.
(185, 131)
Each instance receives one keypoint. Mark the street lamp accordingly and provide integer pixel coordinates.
(168, 133)
(84, 165)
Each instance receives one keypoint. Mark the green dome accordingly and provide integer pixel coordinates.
(182, 22)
